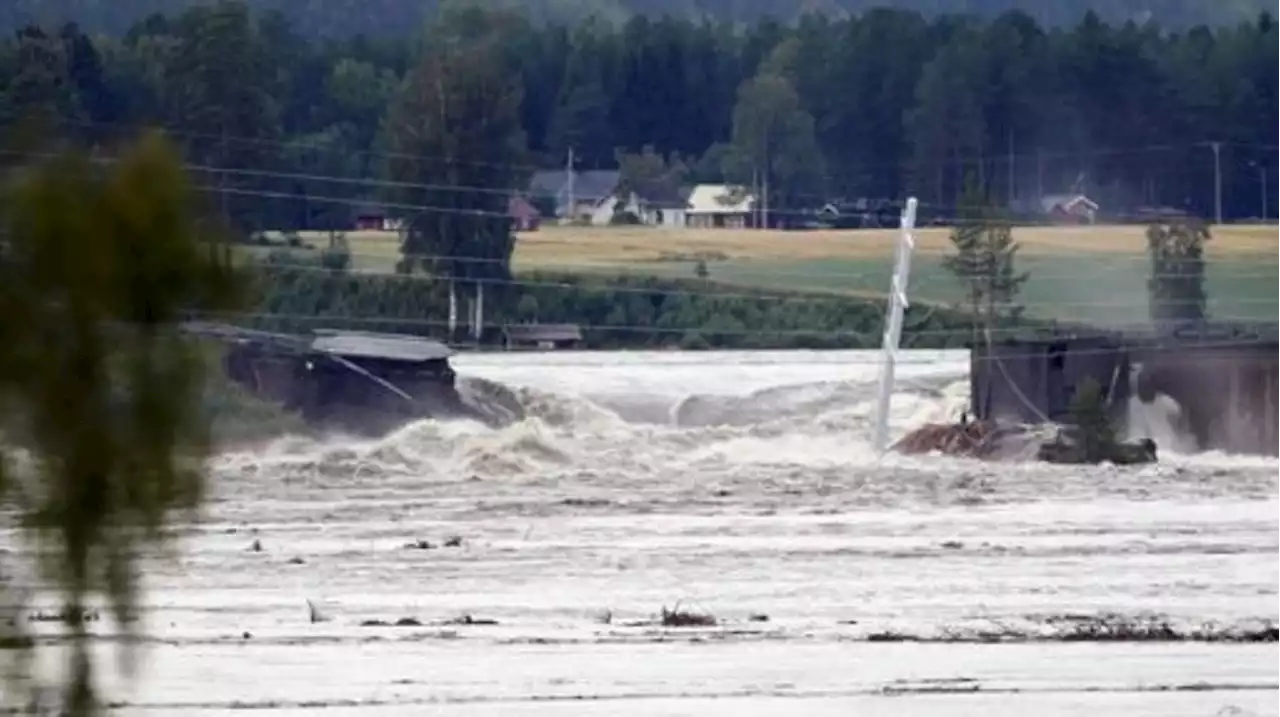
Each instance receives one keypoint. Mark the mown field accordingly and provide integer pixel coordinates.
(1096, 274)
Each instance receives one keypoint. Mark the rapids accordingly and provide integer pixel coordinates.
(740, 485)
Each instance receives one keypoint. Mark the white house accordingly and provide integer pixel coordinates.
(720, 206)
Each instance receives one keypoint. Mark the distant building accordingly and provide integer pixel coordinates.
(524, 216)
(371, 216)
(541, 336)
(719, 206)
(592, 194)
(665, 207)
(1069, 208)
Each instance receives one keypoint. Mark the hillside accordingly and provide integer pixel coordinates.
(385, 17)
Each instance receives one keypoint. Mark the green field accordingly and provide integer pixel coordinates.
(1092, 274)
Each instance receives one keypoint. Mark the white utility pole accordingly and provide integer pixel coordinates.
(569, 174)
(1217, 181)
(754, 198)
(768, 165)
(453, 309)
(764, 206)
(893, 322)
(477, 321)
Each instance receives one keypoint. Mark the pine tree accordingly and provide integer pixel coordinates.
(1176, 287)
(985, 262)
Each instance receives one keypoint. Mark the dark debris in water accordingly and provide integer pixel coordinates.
(1102, 627)
(675, 617)
(415, 622)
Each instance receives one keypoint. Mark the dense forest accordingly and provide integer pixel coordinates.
(338, 18)
(878, 105)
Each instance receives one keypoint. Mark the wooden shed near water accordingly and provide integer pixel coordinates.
(541, 336)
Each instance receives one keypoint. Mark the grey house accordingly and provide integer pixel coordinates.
(593, 194)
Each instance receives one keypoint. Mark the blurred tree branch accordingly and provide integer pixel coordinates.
(103, 436)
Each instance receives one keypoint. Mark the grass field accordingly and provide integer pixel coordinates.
(1097, 273)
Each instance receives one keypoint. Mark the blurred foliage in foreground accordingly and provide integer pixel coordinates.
(104, 435)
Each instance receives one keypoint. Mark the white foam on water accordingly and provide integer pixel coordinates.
(740, 482)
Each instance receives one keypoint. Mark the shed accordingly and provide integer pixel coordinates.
(541, 336)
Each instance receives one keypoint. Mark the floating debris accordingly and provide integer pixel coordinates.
(675, 617)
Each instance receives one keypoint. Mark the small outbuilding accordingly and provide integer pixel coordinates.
(545, 337)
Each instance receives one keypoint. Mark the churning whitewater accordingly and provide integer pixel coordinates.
(522, 569)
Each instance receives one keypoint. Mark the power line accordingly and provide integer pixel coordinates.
(366, 182)
(954, 160)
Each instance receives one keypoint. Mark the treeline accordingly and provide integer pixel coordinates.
(614, 312)
(339, 18)
(877, 105)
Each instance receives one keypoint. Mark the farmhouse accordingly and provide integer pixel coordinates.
(665, 206)
(719, 206)
(592, 193)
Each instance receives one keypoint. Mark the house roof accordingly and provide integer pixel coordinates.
(543, 332)
(520, 207)
(1067, 202)
(591, 185)
(390, 347)
(720, 199)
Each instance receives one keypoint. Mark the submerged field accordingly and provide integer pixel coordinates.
(1095, 274)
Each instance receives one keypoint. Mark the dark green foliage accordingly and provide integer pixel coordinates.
(456, 123)
(984, 261)
(101, 392)
(1176, 288)
(340, 18)
(892, 102)
(1091, 415)
(616, 312)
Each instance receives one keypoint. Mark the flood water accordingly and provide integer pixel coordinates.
(737, 485)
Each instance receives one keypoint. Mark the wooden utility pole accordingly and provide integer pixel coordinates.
(1217, 181)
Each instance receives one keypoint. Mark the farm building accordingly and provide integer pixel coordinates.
(541, 336)
(591, 192)
(665, 207)
(524, 216)
(1069, 208)
(720, 206)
